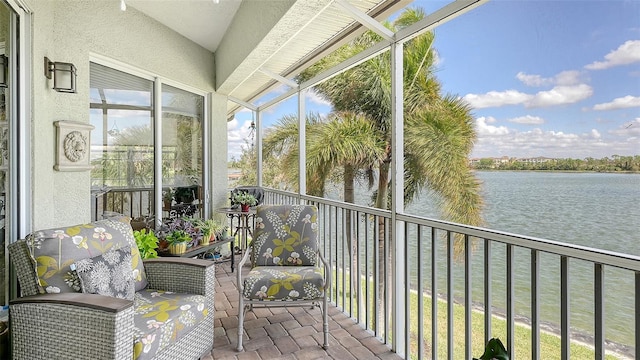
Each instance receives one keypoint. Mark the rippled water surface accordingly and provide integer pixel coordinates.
(590, 209)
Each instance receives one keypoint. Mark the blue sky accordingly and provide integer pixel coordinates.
(545, 78)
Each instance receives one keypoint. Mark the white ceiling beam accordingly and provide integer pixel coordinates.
(441, 16)
(279, 78)
(242, 103)
(366, 20)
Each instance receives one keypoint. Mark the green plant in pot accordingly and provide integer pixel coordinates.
(245, 200)
(177, 240)
(147, 243)
(167, 197)
(211, 230)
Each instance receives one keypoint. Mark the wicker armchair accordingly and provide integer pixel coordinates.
(171, 316)
(285, 269)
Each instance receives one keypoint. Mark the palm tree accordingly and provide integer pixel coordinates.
(439, 130)
(361, 146)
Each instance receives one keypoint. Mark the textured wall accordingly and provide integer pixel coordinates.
(70, 31)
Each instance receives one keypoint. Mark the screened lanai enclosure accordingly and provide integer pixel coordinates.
(166, 86)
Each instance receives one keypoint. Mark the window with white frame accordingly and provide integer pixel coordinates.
(123, 179)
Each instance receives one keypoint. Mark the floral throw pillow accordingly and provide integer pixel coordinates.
(108, 274)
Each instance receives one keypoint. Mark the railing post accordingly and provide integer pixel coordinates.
(598, 323)
(467, 296)
(434, 295)
(488, 277)
(510, 302)
(397, 199)
(565, 337)
(259, 132)
(450, 334)
(302, 149)
(637, 305)
(157, 149)
(535, 305)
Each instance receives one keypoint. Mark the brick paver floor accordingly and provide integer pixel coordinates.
(286, 333)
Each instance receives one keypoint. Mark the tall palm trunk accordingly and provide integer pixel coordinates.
(383, 257)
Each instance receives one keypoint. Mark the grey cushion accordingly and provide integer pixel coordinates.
(285, 235)
(108, 274)
(284, 283)
(54, 250)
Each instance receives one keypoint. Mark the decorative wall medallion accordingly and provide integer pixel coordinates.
(73, 146)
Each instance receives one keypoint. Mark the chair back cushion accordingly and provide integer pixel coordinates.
(54, 250)
(285, 235)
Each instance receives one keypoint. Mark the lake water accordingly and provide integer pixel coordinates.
(590, 209)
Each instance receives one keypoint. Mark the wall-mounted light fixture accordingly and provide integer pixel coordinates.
(64, 75)
(4, 64)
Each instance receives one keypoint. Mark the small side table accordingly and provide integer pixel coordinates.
(243, 223)
(200, 249)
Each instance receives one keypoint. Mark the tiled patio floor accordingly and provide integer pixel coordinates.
(292, 333)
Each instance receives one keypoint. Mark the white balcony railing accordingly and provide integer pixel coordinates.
(449, 259)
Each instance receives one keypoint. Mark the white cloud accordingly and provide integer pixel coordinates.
(533, 80)
(483, 129)
(629, 130)
(560, 95)
(313, 97)
(619, 103)
(494, 141)
(627, 53)
(569, 77)
(496, 99)
(237, 137)
(527, 120)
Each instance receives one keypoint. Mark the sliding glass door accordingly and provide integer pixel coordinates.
(123, 110)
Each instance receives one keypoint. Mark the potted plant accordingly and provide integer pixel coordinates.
(147, 243)
(245, 200)
(177, 240)
(167, 198)
(211, 230)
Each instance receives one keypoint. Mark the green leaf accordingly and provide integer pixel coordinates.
(278, 251)
(49, 274)
(47, 261)
(273, 290)
(73, 231)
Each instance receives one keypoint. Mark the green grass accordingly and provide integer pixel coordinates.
(549, 343)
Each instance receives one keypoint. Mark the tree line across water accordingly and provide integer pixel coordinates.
(615, 163)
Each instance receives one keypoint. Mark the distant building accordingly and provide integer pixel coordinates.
(536, 160)
(496, 162)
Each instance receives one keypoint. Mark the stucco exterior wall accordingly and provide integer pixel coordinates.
(70, 31)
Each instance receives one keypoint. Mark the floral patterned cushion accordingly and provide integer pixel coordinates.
(285, 235)
(162, 317)
(54, 250)
(108, 274)
(284, 283)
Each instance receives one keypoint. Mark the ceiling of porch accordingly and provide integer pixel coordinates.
(254, 38)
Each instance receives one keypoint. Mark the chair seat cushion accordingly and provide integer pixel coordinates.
(284, 283)
(162, 317)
